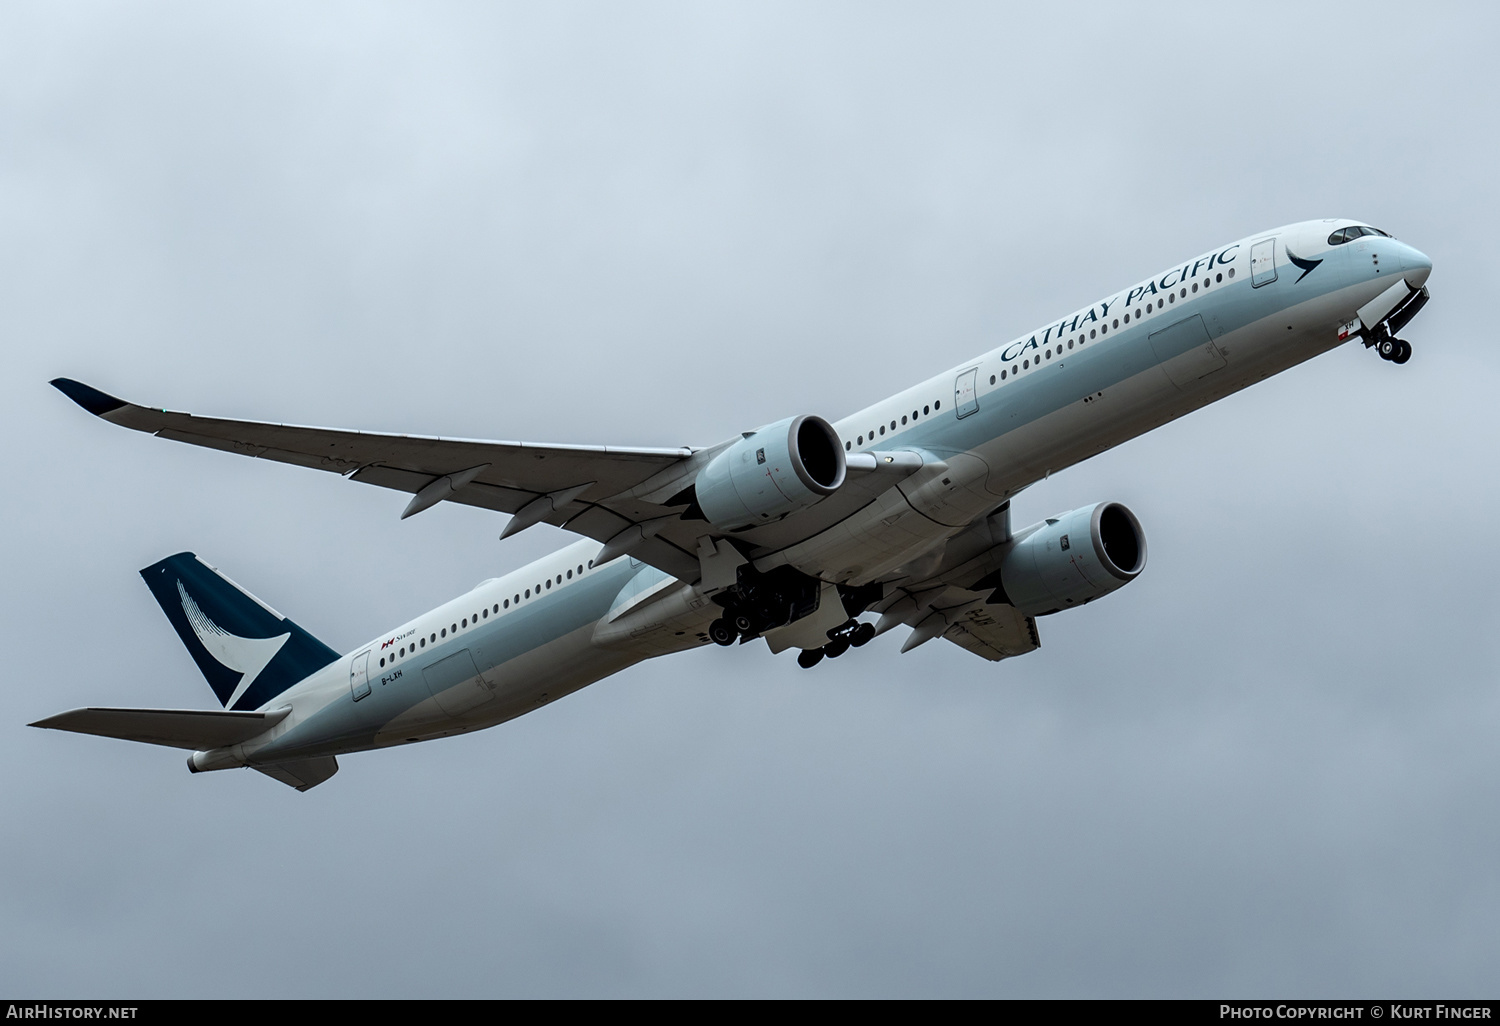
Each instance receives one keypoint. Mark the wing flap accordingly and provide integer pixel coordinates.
(993, 632)
(193, 729)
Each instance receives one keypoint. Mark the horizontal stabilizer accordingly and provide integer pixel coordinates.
(192, 729)
(301, 773)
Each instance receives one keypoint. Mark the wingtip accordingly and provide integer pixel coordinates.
(96, 402)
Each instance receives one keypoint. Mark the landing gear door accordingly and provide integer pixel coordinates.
(1262, 263)
(359, 675)
(965, 398)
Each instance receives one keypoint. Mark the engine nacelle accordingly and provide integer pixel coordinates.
(1073, 558)
(777, 470)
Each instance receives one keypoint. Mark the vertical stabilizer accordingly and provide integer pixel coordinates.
(248, 652)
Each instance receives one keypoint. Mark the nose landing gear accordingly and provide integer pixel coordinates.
(1396, 350)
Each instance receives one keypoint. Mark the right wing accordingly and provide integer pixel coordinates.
(991, 630)
(958, 603)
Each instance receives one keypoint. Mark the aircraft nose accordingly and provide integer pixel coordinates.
(1415, 265)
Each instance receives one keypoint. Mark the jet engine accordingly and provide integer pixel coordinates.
(1071, 559)
(772, 472)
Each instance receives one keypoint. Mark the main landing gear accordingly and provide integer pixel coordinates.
(721, 633)
(851, 634)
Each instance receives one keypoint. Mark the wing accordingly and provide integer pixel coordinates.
(598, 491)
(960, 603)
(991, 630)
(626, 498)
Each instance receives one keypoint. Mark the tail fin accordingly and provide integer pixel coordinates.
(249, 652)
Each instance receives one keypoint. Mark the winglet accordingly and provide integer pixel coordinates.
(96, 402)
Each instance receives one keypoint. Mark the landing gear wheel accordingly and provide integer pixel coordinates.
(1387, 348)
(1403, 351)
(721, 633)
(741, 623)
(834, 649)
(862, 634)
(809, 657)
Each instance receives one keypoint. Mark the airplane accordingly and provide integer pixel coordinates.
(810, 535)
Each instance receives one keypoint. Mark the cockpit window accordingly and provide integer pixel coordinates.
(1353, 232)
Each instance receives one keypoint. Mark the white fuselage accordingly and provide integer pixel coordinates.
(984, 430)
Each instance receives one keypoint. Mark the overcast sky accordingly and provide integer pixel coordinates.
(1268, 767)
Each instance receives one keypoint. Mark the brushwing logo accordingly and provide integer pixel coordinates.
(1306, 265)
(248, 656)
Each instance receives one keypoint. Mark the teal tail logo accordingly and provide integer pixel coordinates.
(248, 652)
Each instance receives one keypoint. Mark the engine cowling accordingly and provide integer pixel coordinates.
(770, 473)
(1073, 558)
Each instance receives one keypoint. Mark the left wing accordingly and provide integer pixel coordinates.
(630, 499)
(609, 493)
